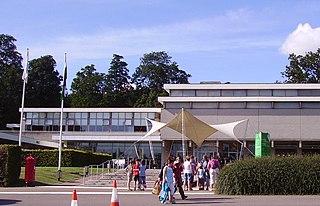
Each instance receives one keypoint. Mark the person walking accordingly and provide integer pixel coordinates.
(214, 168)
(205, 164)
(193, 170)
(129, 171)
(178, 169)
(167, 183)
(187, 173)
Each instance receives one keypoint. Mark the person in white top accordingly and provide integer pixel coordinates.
(187, 173)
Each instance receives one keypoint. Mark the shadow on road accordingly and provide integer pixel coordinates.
(205, 200)
(8, 202)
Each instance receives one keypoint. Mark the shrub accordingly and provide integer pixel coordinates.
(295, 175)
(10, 166)
(69, 157)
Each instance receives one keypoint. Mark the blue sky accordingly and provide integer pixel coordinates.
(245, 41)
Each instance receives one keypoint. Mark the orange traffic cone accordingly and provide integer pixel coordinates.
(74, 201)
(114, 196)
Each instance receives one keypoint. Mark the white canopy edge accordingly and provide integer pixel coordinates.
(228, 128)
(155, 126)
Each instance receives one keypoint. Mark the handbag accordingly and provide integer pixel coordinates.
(156, 188)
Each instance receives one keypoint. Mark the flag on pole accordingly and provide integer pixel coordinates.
(26, 67)
(64, 77)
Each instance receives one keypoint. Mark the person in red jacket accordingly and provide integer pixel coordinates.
(178, 169)
(136, 172)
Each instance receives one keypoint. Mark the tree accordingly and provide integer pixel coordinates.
(118, 88)
(155, 70)
(303, 69)
(88, 88)
(43, 88)
(10, 81)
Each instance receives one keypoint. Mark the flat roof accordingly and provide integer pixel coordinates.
(169, 87)
(155, 110)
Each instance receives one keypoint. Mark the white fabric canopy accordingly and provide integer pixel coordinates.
(228, 128)
(194, 129)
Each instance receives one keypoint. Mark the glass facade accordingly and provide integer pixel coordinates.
(89, 121)
(244, 92)
(122, 149)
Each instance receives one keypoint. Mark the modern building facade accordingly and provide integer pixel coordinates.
(290, 113)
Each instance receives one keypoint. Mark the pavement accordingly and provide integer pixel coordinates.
(61, 195)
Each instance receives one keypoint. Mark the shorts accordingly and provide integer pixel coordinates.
(142, 180)
(188, 176)
(136, 178)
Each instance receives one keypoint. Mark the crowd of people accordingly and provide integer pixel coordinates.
(188, 175)
(177, 174)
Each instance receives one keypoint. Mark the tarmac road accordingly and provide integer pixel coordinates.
(98, 196)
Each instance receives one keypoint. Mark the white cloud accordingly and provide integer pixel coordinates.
(215, 33)
(302, 40)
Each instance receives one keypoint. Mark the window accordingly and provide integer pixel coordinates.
(201, 93)
(227, 93)
(189, 93)
(240, 93)
(253, 92)
(176, 93)
(204, 105)
(232, 105)
(279, 93)
(214, 93)
(265, 92)
(286, 105)
(259, 105)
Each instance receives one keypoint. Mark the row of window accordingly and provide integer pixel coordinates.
(243, 105)
(85, 121)
(244, 92)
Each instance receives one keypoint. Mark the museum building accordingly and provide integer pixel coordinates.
(289, 113)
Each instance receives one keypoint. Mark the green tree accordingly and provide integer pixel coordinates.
(43, 88)
(155, 70)
(10, 81)
(88, 88)
(118, 88)
(303, 69)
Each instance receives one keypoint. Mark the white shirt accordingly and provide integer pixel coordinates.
(187, 167)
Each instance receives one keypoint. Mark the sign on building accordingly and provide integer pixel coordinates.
(262, 144)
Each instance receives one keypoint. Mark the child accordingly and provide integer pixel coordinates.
(201, 176)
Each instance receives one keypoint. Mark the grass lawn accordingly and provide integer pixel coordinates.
(48, 175)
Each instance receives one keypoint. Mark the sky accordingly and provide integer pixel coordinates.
(235, 41)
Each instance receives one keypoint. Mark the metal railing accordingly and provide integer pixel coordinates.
(96, 172)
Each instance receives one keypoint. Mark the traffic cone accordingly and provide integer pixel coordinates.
(114, 196)
(74, 201)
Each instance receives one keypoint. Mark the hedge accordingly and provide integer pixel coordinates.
(69, 157)
(10, 166)
(295, 175)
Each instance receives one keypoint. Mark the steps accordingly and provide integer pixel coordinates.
(121, 177)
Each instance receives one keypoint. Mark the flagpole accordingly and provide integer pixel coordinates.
(25, 78)
(59, 172)
(182, 132)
